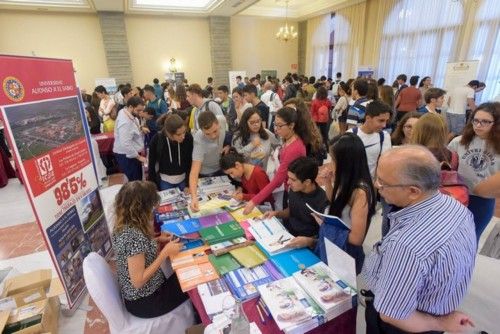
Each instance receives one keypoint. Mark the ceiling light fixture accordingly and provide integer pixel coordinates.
(286, 32)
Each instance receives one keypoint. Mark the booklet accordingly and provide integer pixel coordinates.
(223, 263)
(190, 257)
(294, 260)
(215, 219)
(213, 295)
(249, 256)
(239, 216)
(288, 303)
(243, 282)
(326, 288)
(270, 234)
(219, 233)
(181, 227)
(192, 276)
(226, 246)
(331, 220)
(170, 196)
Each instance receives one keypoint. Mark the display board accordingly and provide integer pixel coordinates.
(44, 124)
(366, 72)
(268, 73)
(460, 73)
(108, 83)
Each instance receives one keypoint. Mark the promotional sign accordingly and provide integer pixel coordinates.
(43, 120)
(268, 73)
(366, 72)
(460, 73)
(179, 78)
(108, 83)
(232, 78)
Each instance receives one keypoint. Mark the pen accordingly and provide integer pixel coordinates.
(264, 307)
(260, 314)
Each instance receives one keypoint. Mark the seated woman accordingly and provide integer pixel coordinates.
(145, 290)
(170, 154)
(253, 140)
(431, 131)
(351, 193)
(253, 178)
(403, 132)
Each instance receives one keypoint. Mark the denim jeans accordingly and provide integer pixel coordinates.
(164, 185)
(482, 209)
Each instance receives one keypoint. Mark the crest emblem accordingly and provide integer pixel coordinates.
(13, 89)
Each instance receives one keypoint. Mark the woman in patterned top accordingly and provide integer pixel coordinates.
(145, 290)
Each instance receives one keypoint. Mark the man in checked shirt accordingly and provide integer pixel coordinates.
(418, 274)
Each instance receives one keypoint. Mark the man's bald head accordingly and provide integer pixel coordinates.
(267, 86)
(415, 165)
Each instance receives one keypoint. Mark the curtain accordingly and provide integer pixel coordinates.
(318, 40)
(350, 32)
(485, 47)
(419, 37)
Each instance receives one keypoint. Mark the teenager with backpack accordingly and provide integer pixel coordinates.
(478, 149)
(320, 112)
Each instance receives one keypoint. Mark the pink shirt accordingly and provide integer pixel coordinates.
(288, 154)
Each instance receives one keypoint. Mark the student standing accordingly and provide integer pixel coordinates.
(105, 108)
(170, 155)
(146, 292)
(129, 140)
(320, 112)
(479, 158)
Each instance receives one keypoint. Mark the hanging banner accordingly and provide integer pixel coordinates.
(43, 120)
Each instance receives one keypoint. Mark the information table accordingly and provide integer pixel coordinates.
(343, 324)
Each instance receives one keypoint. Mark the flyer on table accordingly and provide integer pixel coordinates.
(44, 125)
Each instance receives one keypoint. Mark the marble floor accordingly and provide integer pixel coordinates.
(22, 249)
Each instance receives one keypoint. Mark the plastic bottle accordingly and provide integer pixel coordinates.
(239, 321)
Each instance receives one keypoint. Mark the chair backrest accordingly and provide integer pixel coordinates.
(103, 288)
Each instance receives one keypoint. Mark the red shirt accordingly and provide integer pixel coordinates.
(288, 154)
(257, 181)
(315, 105)
(409, 99)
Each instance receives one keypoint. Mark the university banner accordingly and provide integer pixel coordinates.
(44, 124)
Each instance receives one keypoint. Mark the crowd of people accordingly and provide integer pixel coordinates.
(394, 145)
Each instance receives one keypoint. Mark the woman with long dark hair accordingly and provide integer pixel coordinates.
(252, 139)
(92, 120)
(181, 97)
(291, 127)
(478, 149)
(403, 132)
(351, 193)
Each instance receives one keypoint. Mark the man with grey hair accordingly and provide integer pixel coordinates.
(418, 274)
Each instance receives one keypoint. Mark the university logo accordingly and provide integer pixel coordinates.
(45, 168)
(13, 89)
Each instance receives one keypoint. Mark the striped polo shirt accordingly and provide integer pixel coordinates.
(425, 261)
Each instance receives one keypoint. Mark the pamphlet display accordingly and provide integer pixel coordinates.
(46, 128)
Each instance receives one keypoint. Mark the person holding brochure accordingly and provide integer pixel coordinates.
(351, 193)
(253, 178)
(303, 191)
(146, 292)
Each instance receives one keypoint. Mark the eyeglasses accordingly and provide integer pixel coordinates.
(408, 127)
(279, 126)
(482, 122)
(255, 122)
(381, 186)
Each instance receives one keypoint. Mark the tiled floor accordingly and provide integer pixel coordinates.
(22, 248)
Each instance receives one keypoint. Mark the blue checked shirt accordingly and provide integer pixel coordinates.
(425, 261)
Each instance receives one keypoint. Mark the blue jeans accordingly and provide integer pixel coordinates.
(456, 123)
(164, 185)
(482, 209)
(132, 168)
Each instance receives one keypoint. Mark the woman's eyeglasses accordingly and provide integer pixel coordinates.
(257, 122)
(481, 122)
(279, 126)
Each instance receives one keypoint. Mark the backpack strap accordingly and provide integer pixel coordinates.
(382, 137)
(355, 130)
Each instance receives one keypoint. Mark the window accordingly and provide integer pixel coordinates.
(320, 43)
(339, 44)
(419, 37)
(485, 47)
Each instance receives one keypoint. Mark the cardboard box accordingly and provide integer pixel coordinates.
(35, 279)
(35, 296)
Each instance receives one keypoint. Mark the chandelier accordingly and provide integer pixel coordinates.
(286, 32)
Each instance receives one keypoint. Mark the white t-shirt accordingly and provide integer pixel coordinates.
(475, 163)
(458, 99)
(272, 100)
(372, 147)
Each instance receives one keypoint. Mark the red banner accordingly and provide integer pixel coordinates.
(43, 120)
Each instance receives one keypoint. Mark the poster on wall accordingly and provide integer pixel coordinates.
(366, 72)
(108, 83)
(460, 73)
(232, 78)
(43, 122)
(268, 73)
